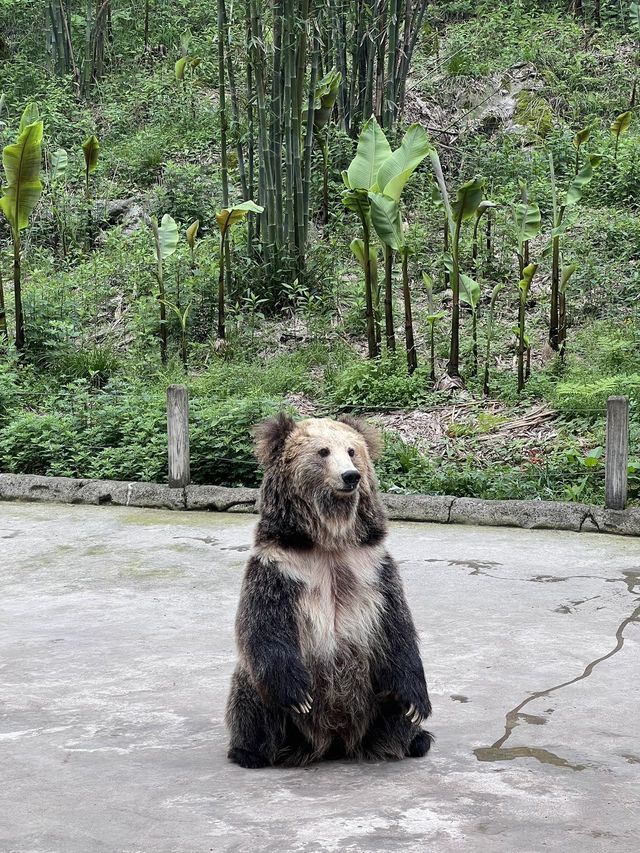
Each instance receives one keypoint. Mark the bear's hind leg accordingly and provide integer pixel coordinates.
(393, 736)
(257, 732)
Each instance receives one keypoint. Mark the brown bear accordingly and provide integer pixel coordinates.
(328, 655)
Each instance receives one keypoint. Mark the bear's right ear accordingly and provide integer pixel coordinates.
(270, 437)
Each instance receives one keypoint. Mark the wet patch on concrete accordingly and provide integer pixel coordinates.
(491, 753)
(458, 697)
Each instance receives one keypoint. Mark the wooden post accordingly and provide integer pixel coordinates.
(178, 435)
(617, 452)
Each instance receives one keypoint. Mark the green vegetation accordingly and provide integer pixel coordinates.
(492, 150)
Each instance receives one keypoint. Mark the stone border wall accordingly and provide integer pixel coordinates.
(549, 515)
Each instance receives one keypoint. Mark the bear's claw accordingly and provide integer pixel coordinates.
(304, 707)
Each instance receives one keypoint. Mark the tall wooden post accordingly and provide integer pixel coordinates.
(178, 436)
(617, 452)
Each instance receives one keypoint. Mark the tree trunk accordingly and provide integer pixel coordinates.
(17, 292)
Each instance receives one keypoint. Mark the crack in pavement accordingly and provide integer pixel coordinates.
(496, 751)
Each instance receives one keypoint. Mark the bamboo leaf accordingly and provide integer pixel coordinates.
(385, 216)
(192, 233)
(398, 168)
(30, 115)
(468, 199)
(167, 237)
(22, 162)
(59, 163)
(90, 148)
(228, 216)
(373, 149)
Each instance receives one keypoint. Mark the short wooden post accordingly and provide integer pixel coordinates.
(178, 435)
(617, 452)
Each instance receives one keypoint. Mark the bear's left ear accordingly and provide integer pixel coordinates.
(270, 436)
(371, 435)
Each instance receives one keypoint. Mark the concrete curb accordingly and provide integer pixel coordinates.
(446, 509)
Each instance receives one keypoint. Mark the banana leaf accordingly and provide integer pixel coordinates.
(581, 180)
(59, 163)
(30, 115)
(167, 237)
(396, 170)
(192, 233)
(468, 199)
(372, 151)
(228, 216)
(385, 216)
(22, 162)
(357, 247)
(90, 149)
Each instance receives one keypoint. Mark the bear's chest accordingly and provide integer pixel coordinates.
(339, 604)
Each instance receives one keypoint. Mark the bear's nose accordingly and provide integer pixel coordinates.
(351, 478)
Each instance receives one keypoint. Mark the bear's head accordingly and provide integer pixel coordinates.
(319, 486)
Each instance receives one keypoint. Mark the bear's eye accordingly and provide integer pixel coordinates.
(324, 451)
(351, 451)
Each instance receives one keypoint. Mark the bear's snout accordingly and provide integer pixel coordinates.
(351, 478)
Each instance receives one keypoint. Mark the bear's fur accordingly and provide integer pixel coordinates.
(328, 655)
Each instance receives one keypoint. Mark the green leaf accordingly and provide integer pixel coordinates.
(468, 199)
(385, 216)
(581, 137)
(470, 291)
(22, 162)
(228, 216)
(179, 68)
(192, 233)
(484, 205)
(621, 124)
(167, 237)
(580, 181)
(325, 96)
(527, 277)
(527, 220)
(567, 272)
(90, 148)
(398, 168)
(357, 247)
(357, 201)
(373, 149)
(59, 162)
(30, 115)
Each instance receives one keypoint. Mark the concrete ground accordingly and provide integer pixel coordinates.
(116, 647)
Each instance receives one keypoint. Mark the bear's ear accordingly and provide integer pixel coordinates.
(371, 435)
(270, 436)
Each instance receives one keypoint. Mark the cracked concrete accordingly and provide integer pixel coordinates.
(116, 649)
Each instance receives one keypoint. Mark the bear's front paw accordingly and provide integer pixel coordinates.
(293, 689)
(415, 702)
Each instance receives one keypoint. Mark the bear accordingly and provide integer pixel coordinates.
(328, 662)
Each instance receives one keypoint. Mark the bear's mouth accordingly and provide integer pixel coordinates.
(347, 490)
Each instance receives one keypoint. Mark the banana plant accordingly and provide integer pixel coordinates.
(226, 218)
(22, 164)
(383, 174)
(166, 242)
(468, 199)
(489, 333)
(484, 207)
(579, 140)
(567, 272)
(192, 233)
(90, 149)
(524, 286)
(433, 317)
(527, 221)
(357, 248)
(561, 224)
(325, 95)
(182, 319)
(620, 125)
(470, 294)
(58, 163)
